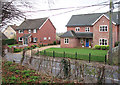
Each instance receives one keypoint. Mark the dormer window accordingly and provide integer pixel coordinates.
(77, 29)
(20, 31)
(35, 31)
(87, 29)
(29, 31)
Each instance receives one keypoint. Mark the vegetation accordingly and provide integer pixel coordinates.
(116, 43)
(12, 45)
(102, 47)
(15, 73)
(9, 42)
(17, 50)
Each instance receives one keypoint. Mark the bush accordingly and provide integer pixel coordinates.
(116, 43)
(9, 41)
(97, 47)
(39, 45)
(17, 50)
(103, 47)
(54, 43)
(107, 47)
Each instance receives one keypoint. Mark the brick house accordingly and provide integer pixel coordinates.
(36, 31)
(88, 30)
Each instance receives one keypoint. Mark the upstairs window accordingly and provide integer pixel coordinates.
(103, 28)
(66, 41)
(77, 29)
(87, 29)
(29, 31)
(20, 31)
(49, 38)
(103, 41)
(45, 38)
(19, 39)
(35, 31)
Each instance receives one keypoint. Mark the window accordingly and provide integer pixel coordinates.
(103, 28)
(19, 39)
(30, 39)
(20, 31)
(77, 29)
(81, 41)
(103, 41)
(66, 41)
(87, 29)
(34, 39)
(49, 38)
(29, 31)
(35, 31)
(11, 33)
(45, 38)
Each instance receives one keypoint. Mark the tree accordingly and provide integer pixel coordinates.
(10, 10)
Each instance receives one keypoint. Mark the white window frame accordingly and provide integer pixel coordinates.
(100, 41)
(35, 31)
(103, 28)
(81, 41)
(77, 29)
(34, 39)
(45, 38)
(30, 39)
(20, 31)
(49, 38)
(66, 41)
(86, 29)
(29, 31)
(19, 39)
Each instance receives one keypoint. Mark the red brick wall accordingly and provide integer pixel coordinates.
(47, 30)
(73, 42)
(82, 29)
(97, 35)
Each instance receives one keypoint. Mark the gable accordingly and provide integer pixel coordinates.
(101, 17)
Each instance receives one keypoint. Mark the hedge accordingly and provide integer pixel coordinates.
(17, 50)
(102, 47)
(9, 41)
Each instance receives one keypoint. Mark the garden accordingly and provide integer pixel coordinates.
(16, 73)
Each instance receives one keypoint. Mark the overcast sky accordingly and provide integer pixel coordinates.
(61, 17)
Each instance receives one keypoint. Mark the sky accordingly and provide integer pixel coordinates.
(61, 17)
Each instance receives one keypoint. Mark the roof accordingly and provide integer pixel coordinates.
(32, 23)
(4, 37)
(72, 34)
(89, 19)
(26, 35)
(14, 26)
(69, 34)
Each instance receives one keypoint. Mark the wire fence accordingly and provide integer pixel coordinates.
(88, 57)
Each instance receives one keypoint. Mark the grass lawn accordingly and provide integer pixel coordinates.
(82, 53)
(11, 45)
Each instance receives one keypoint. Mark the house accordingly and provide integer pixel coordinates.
(10, 32)
(36, 31)
(88, 30)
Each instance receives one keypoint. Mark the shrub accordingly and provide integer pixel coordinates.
(97, 47)
(54, 43)
(9, 41)
(27, 75)
(17, 50)
(8, 63)
(116, 43)
(103, 47)
(33, 46)
(39, 45)
(107, 47)
(12, 68)
(17, 71)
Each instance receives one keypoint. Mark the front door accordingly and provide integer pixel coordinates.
(26, 41)
(87, 42)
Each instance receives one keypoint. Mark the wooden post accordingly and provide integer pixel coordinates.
(53, 54)
(64, 54)
(76, 55)
(105, 59)
(89, 57)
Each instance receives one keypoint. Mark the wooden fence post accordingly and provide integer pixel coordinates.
(44, 52)
(64, 54)
(105, 59)
(76, 55)
(89, 57)
(53, 54)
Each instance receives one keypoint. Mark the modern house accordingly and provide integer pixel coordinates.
(90, 30)
(10, 32)
(36, 31)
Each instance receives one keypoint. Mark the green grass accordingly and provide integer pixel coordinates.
(82, 53)
(12, 45)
